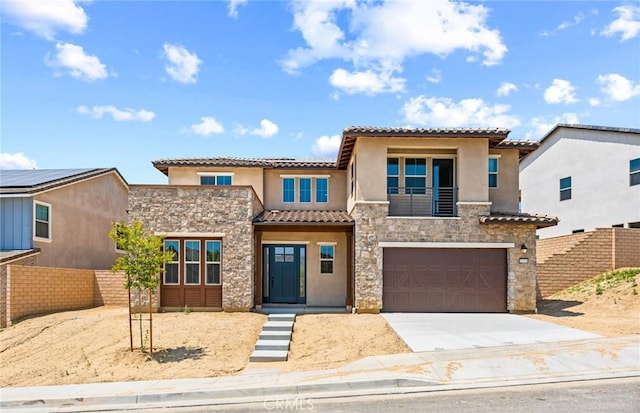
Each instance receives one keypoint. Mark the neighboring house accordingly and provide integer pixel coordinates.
(587, 176)
(61, 217)
(403, 220)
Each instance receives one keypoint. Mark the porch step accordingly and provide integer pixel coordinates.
(282, 345)
(269, 355)
(275, 338)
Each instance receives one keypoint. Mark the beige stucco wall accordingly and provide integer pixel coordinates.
(337, 190)
(81, 218)
(186, 175)
(322, 289)
(504, 198)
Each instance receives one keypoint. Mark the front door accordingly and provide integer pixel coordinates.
(284, 274)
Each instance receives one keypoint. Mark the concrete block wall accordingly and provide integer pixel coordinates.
(3, 286)
(582, 256)
(109, 289)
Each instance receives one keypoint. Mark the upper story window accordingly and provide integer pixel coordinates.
(288, 189)
(305, 190)
(415, 175)
(393, 175)
(493, 172)
(322, 190)
(42, 220)
(634, 172)
(565, 188)
(353, 177)
(172, 268)
(216, 179)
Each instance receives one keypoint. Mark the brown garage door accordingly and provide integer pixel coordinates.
(444, 280)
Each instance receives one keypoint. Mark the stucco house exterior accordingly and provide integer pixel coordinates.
(587, 176)
(403, 220)
(61, 217)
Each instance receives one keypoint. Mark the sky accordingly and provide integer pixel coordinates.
(122, 83)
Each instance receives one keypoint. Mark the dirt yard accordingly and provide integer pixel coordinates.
(613, 309)
(90, 346)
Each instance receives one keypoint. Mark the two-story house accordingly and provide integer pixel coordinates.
(403, 220)
(588, 176)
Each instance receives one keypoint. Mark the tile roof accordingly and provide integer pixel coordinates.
(291, 163)
(30, 181)
(590, 127)
(541, 221)
(351, 134)
(297, 217)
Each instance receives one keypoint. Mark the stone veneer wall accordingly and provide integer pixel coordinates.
(374, 226)
(201, 209)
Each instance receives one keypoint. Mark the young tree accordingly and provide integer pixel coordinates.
(143, 264)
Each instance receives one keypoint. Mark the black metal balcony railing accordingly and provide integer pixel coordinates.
(422, 202)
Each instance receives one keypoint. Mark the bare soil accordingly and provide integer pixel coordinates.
(613, 312)
(90, 346)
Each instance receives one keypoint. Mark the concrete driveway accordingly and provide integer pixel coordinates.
(430, 332)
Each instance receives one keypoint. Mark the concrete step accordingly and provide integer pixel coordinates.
(275, 335)
(269, 355)
(281, 317)
(277, 326)
(282, 345)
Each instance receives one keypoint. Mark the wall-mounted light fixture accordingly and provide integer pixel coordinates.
(523, 248)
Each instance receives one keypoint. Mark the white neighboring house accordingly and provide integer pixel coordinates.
(587, 176)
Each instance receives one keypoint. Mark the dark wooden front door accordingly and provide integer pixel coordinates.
(444, 280)
(284, 274)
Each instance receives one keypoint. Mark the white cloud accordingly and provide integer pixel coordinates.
(540, 125)
(207, 126)
(617, 87)
(16, 161)
(266, 130)
(326, 145)
(183, 66)
(368, 35)
(435, 76)
(560, 91)
(233, 7)
(79, 64)
(506, 88)
(594, 102)
(627, 23)
(468, 112)
(46, 17)
(118, 115)
(367, 82)
(576, 20)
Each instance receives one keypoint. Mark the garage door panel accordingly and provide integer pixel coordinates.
(444, 280)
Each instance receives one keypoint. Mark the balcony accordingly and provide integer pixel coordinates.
(422, 202)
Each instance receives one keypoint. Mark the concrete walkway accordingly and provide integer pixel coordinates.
(442, 331)
(393, 374)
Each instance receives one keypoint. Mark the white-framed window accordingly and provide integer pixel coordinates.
(213, 261)
(493, 172)
(192, 262)
(305, 190)
(322, 190)
(634, 172)
(216, 178)
(172, 268)
(327, 257)
(41, 221)
(565, 188)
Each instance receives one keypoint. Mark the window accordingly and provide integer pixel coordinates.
(415, 173)
(213, 261)
(565, 188)
(219, 180)
(393, 175)
(305, 189)
(284, 254)
(42, 220)
(493, 172)
(172, 268)
(322, 190)
(288, 189)
(192, 262)
(326, 259)
(634, 172)
(353, 177)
